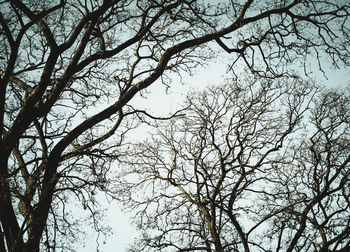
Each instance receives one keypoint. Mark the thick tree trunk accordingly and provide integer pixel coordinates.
(11, 235)
(9, 224)
(2, 240)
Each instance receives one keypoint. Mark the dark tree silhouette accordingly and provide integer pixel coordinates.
(251, 166)
(60, 59)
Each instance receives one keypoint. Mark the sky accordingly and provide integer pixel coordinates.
(161, 105)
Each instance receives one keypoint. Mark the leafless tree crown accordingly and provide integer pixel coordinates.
(69, 69)
(251, 166)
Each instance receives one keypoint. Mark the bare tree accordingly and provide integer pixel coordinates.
(311, 199)
(60, 59)
(239, 172)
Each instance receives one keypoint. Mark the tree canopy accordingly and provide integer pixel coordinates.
(251, 166)
(69, 69)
